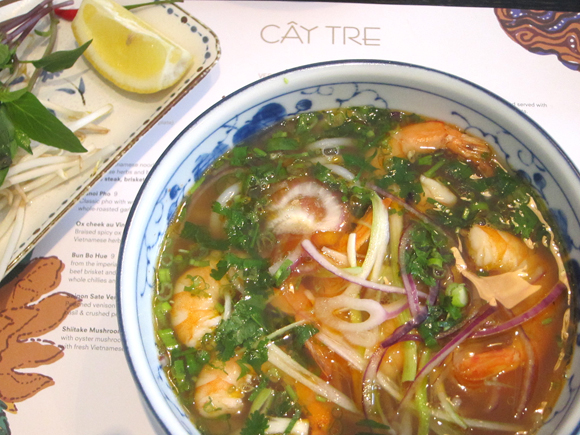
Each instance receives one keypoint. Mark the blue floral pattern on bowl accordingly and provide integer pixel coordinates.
(523, 144)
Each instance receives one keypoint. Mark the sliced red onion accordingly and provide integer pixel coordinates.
(395, 308)
(433, 294)
(440, 356)
(410, 287)
(371, 372)
(525, 316)
(319, 258)
(368, 383)
(324, 309)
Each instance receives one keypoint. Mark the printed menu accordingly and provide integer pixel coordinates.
(82, 383)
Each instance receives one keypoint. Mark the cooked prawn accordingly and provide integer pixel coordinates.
(427, 137)
(496, 250)
(476, 367)
(220, 389)
(517, 268)
(194, 305)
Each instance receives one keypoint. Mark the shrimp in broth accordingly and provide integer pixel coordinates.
(364, 270)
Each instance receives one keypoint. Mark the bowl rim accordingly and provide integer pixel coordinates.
(270, 78)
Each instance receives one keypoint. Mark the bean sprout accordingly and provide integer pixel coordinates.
(36, 174)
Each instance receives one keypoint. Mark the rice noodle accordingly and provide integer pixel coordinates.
(333, 142)
(341, 171)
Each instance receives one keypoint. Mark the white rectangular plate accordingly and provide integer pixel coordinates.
(82, 88)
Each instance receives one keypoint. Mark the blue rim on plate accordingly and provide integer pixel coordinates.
(261, 103)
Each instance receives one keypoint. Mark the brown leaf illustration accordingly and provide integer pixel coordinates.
(28, 309)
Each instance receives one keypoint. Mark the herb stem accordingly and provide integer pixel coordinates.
(49, 49)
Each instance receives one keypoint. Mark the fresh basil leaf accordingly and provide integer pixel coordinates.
(32, 118)
(7, 133)
(6, 96)
(5, 55)
(60, 60)
(22, 140)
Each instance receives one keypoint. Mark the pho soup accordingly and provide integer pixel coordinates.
(364, 270)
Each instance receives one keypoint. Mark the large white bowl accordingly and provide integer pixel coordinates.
(523, 144)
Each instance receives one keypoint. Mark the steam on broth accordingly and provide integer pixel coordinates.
(363, 270)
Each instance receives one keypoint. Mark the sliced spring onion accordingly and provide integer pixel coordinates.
(446, 405)
(167, 337)
(351, 250)
(279, 425)
(283, 362)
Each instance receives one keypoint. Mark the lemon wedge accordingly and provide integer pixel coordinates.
(126, 50)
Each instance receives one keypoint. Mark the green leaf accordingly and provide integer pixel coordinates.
(304, 332)
(7, 96)
(5, 55)
(256, 424)
(244, 327)
(201, 235)
(60, 60)
(4, 426)
(31, 117)
(22, 140)
(7, 143)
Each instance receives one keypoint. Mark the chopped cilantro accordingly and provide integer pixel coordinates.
(357, 162)
(242, 224)
(255, 356)
(446, 314)
(427, 254)
(283, 272)
(304, 332)
(403, 179)
(281, 144)
(201, 236)
(252, 271)
(256, 424)
(243, 328)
